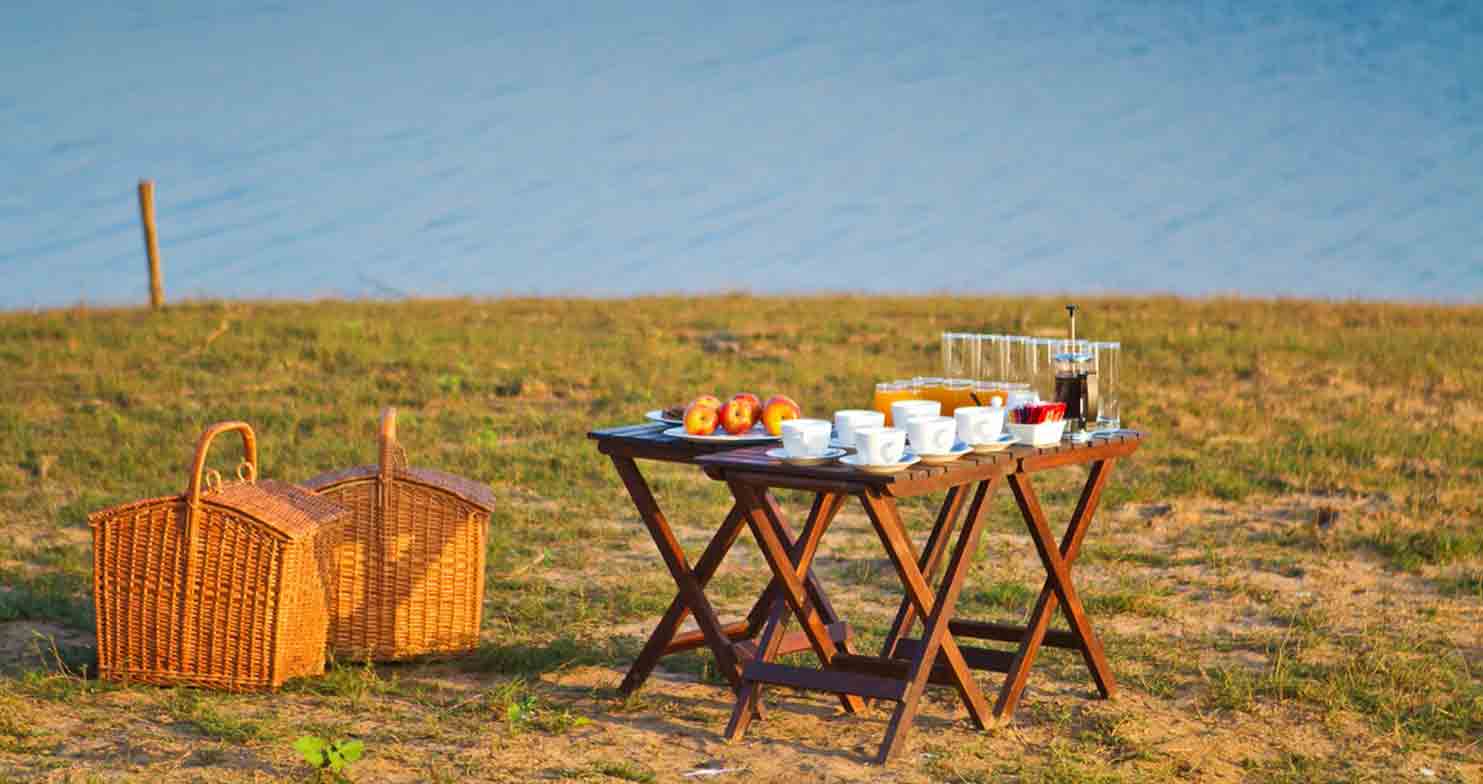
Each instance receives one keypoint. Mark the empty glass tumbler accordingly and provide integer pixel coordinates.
(1105, 358)
(960, 355)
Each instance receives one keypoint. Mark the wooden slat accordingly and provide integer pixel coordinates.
(796, 641)
(895, 669)
(696, 639)
(1003, 632)
(1099, 452)
(977, 658)
(768, 479)
(824, 680)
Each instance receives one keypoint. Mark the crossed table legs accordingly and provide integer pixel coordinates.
(725, 642)
(907, 665)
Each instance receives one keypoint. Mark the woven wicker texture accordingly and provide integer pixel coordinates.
(223, 586)
(410, 574)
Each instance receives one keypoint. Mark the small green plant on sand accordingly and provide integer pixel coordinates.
(329, 757)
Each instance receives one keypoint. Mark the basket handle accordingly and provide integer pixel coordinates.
(393, 457)
(249, 456)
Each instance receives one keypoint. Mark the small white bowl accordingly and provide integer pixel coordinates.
(1043, 434)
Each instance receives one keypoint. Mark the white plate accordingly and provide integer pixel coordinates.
(657, 415)
(938, 458)
(1004, 441)
(907, 460)
(829, 456)
(754, 436)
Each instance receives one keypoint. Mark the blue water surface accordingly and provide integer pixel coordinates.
(378, 148)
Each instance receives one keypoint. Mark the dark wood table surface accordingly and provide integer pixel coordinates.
(906, 664)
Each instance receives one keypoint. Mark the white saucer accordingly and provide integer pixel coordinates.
(938, 458)
(829, 456)
(907, 460)
(1004, 441)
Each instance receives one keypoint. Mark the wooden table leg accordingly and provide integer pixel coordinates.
(1057, 588)
(765, 528)
(770, 598)
(679, 609)
(937, 612)
(801, 554)
(942, 532)
(674, 558)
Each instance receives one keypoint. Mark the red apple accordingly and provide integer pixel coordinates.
(778, 409)
(736, 416)
(701, 419)
(752, 402)
(707, 400)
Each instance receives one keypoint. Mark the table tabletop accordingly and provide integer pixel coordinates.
(920, 478)
(647, 441)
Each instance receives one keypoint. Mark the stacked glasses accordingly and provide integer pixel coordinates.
(1014, 370)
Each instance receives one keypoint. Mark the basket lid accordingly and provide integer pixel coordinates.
(473, 492)
(394, 468)
(291, 511)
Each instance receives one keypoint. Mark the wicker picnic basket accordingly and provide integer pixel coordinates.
(410, 574)
(223, 586)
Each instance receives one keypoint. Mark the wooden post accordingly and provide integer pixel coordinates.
(151, 243)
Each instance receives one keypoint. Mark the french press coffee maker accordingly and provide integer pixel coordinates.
(1076, 381)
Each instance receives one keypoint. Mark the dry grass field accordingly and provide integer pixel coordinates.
(1251, 642)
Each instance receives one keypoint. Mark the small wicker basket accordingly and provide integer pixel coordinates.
(410, 574)
(222, 587)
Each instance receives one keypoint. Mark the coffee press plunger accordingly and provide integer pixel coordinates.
(1076, 381)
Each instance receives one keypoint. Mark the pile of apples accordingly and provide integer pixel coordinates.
(707, 414)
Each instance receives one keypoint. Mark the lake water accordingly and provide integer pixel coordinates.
(388, 149)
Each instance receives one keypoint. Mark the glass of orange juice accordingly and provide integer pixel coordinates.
(888, 392)
(957, 393)
(928, 387)
(988, 391)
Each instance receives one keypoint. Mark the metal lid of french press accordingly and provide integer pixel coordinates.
(1072, 356)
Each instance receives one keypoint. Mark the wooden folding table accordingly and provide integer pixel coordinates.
(906, 665)
(729, 643)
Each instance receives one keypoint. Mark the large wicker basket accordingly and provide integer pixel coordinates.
(223, 586)
(410, 574)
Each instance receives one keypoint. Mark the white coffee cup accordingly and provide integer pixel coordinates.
(979, 424)
(806, 437)
(848, 421)
(932, 435)
(903, 410)
(880, 445)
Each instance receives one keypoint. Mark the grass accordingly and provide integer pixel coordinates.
(1196, 571)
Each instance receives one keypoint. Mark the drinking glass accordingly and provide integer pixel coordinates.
(928, 387)
(987, 392)
(957, 392)
(1013, 370)
(1011, 355)
(888, 392)
(990, 363)
(1032, 364)
(959, 355)
(1105, 356)
(1044, 381)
